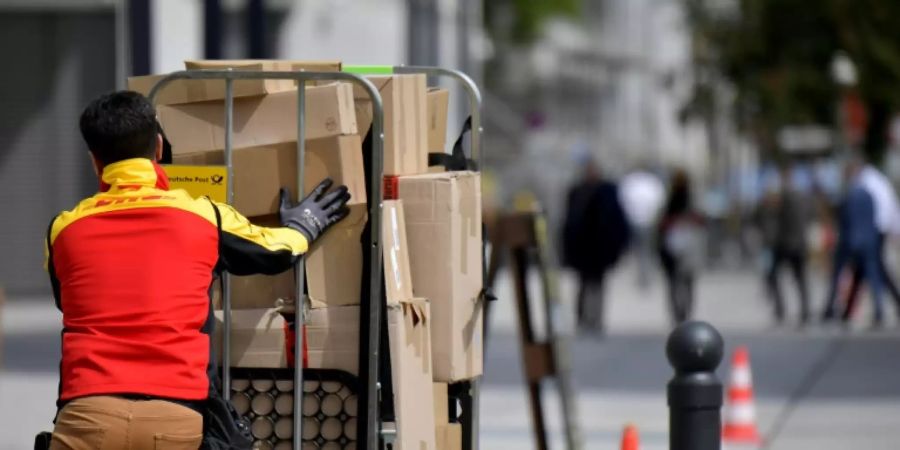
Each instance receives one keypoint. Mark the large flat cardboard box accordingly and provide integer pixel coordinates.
(405, 131)
(333, 341)
(275, 65)
(257, 338)
(257, 291)
(260, 172)
(441, 403)
(334, 263)
(192, 91)
(443, 229)
(449, 436)
(437, 103)
(177, 92)
(397, 278)
(257, 121)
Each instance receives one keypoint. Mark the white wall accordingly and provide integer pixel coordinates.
(177, 33)
(353, 31)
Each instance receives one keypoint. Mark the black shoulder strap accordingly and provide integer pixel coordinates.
(51, 270)
(456, 160)
(219, 263)
(167, 146)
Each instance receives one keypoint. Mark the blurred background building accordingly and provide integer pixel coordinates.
(562, 79)
(756, 100)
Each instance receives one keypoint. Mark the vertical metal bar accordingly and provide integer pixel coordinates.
(140, 28)
(300, 271)
(212, 29)
(226, 278)
(371, 308)
(123, 60)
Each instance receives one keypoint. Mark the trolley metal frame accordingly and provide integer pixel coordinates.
(369, 428)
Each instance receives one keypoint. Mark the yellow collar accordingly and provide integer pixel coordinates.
(133, 173)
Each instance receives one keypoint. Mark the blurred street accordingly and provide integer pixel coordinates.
(820, 389)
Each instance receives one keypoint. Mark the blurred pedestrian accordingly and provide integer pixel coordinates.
(788, 219)
(887, 220)
(857, 242)
(681, 248)
(642, 194)
(595, 235)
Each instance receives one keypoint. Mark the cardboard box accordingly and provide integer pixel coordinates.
(443, 229)
(333, 270)
(332, 342)
(257, 338)
(259, 172)
(257, 291)
(405, 131)
(437, 103)
(182, 91)
(266, 120)
(449, 436)
(441, 403)
(397, 279)
(332, 338)
(192, 91)
(334, 263)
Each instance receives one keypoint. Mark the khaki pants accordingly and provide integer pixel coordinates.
(114, 423)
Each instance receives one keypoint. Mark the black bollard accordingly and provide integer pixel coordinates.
(695, 350)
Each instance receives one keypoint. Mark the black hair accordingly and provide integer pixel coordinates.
(120, 125)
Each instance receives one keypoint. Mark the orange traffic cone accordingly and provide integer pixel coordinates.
(740, 412)
(630, 438)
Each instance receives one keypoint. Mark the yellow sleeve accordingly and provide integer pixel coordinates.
(247, 249)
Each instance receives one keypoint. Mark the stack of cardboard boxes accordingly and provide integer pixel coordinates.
(431, 228)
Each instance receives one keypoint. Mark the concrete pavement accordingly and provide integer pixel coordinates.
(821, 389)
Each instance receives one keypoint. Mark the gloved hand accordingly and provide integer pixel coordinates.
(317, 212)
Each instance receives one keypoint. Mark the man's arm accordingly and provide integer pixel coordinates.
(247, 249)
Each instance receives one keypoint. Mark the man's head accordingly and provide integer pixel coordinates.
(120, 125)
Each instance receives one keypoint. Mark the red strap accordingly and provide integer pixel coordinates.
(289, 339)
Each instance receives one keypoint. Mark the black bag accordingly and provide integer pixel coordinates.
(457, 159)
(42, 440)
(223, 427)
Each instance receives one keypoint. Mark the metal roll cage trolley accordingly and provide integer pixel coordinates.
(375, 420)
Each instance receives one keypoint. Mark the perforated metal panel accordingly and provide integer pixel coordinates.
(265, 398)
(53, 64)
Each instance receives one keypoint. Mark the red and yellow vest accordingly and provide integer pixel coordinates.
(131, 269)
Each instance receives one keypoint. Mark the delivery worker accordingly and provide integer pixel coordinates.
(131, 269)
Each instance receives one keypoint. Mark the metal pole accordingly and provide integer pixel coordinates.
(694, 350)
(370, 310)
(123, 57)
(226, 279)
(299, 271)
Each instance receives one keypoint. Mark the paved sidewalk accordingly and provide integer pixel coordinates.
(854, 404)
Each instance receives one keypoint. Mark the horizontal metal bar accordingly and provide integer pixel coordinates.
(230, 74)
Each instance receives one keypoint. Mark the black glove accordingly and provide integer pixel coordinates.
(317, 212)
